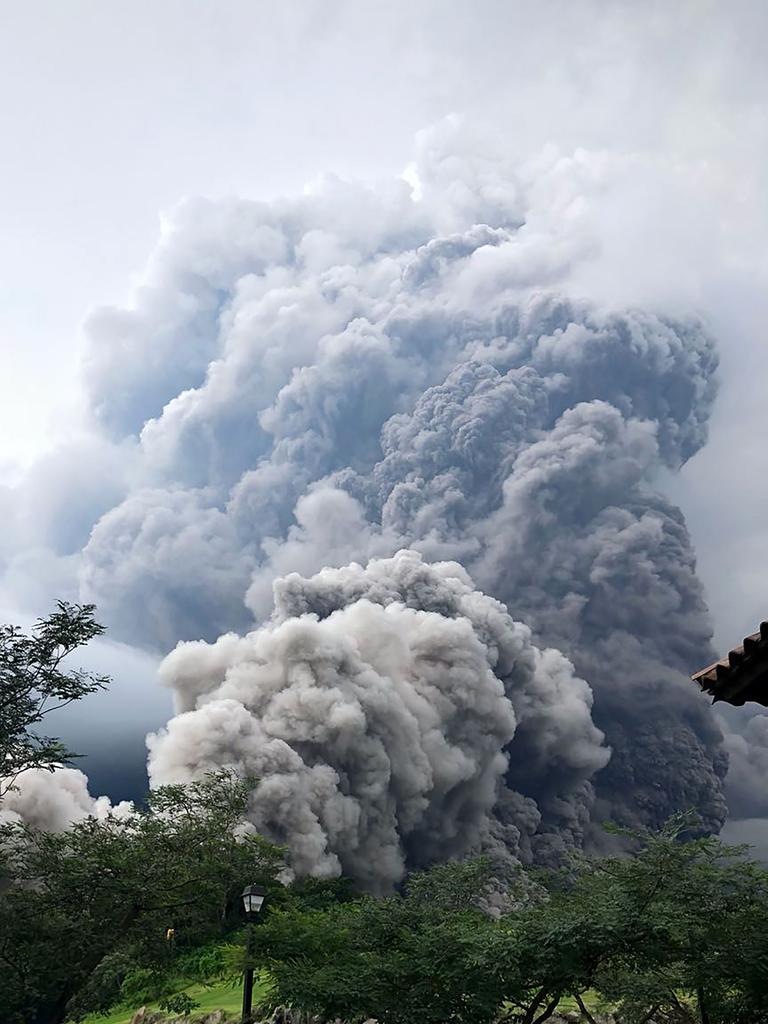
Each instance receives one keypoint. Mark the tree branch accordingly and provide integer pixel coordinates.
(584, 1011)
(549, 1009)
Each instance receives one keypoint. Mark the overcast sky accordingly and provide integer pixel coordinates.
(112, 112)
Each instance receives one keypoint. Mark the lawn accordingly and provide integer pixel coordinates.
(229, 997)
(218, 996)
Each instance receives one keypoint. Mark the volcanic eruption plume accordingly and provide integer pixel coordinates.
(382, 711)
(333, 379)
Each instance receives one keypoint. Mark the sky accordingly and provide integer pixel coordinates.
(110, 114)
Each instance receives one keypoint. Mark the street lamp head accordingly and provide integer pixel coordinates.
(253, 899)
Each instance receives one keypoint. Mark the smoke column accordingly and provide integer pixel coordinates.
(307, 383)
(384, 712)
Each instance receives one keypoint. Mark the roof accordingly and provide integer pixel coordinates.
(741, 676)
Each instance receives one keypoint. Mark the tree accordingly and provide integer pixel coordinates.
(696, 917)
(33, 683)
(675, 934)
(426, 955)
(554, 945)
(86, 905)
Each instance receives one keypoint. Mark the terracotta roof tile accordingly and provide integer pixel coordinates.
(741, 676)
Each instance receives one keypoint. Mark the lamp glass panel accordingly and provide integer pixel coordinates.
(252, 902)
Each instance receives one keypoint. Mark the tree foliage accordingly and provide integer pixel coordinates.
(33, 682)
(675, 934)
(425, 955)
(82, 907)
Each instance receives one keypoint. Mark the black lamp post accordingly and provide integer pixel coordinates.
(253, 900)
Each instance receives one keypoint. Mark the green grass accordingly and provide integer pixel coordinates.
(590, 998)
(229, 997)
(218, 996)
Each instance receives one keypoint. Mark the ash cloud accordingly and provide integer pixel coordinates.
(541, 488)
(746, 740)
(384, 712)
(336, 377)
(54, 800)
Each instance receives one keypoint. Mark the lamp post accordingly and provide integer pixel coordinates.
(253, 900)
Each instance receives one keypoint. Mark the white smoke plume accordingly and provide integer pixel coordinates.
(336, 377)
(382, 710)
(54, 800)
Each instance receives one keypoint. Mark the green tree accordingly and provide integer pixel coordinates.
(33, 683)
(85, 906)
(696, 920)
(677, 932)
(554, 945)
(426, 955)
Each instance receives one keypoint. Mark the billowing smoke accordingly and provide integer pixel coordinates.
(54, 800)
(386, 712)
(746, 739)
(308, 382)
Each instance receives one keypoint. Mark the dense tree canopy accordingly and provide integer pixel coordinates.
(103, 895)
(677, 932)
